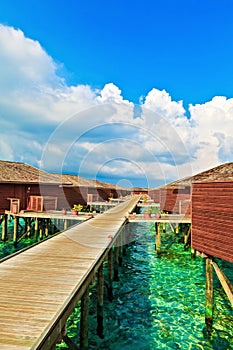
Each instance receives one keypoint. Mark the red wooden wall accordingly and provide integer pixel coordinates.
(66, 196)
(174, 200)
(155, 195)
(170, 198)
(212, 219)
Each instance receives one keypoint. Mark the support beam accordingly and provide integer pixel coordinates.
(52, 224)
(226, 284)
(158, 239)
(69, 343)
(84, 320)
(187, 235)
(100, 302)
(209, 294)
(41, 230)
(4, 228)
(116, 263)
(193, 253)
(125, 237)
(46, 227)
(16, 229)
(164, 227)
(110, 274)
(65, 224)
(119, 242)
(36, 227)
(29, 228)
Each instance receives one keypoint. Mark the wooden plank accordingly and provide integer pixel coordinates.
(45, 282)
(226, 284)
(212, 219)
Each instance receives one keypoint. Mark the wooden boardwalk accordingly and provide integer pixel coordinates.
(41, 285)
(165, 218)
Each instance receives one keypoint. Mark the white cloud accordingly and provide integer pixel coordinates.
(111, 94)
(24, 63)
(93, 130)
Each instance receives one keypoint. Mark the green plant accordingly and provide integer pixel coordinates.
(77, 207)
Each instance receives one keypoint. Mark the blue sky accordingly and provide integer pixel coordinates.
(174, 58)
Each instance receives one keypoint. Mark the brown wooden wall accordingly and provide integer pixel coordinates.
(185, 206)
(212, 219)
(67, 196)
(170, 198)
(5, 192)
(155, 195)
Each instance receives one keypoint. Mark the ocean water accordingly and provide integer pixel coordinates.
(159, 303)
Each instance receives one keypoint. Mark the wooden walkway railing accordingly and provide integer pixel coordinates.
(40, 286)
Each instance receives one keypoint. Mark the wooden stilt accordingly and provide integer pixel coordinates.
(120, 253)
(125, 237)
(116, 263)
(100, 302)
(36, 228)
(209, 294)
(4, 228)
(69, 343)
(158, 239)
(16, 229)
(65, 224)
(177, 229)
(187, 235)
(193, 253)
(84, 320)
(46, 227)
(110, 274)
(41, 230)
(226, 284)
(52, 227)
(29, 228)
(25, 224)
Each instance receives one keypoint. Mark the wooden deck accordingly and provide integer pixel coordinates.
(41, 285)
(166, 218)
(51, 215)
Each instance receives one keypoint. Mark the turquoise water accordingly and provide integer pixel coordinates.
(159, 303)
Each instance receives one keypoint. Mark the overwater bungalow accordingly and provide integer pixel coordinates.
(24, 187)
(24, 184)
(175, 197)
(85, 190)
(139, 190)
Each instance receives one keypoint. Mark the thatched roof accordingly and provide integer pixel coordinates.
(21, 173)
(78, 181)
(223, 172)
